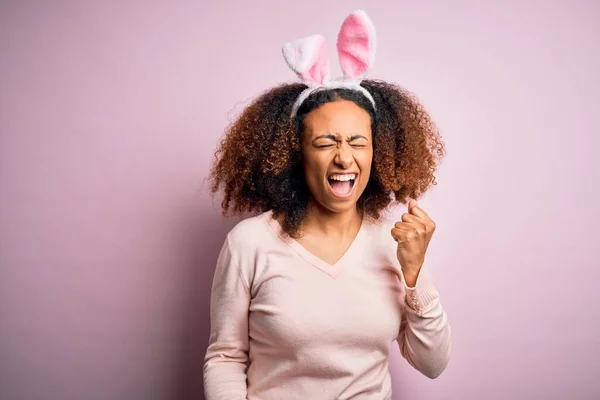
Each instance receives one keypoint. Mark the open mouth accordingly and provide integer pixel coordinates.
(342, 184)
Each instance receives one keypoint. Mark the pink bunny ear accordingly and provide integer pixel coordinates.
(308, 58)
(356, 45)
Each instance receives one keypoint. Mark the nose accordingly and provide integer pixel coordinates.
(344, 157)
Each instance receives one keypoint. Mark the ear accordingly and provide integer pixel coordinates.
(308, 58)
(356, 45)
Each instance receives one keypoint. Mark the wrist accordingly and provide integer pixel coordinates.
(410, 278)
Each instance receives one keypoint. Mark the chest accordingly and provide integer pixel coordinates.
(295, 305)
(327, 249)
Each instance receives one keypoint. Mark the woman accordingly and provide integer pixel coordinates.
(310, 292)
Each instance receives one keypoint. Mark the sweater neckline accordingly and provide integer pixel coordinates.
(332, 270)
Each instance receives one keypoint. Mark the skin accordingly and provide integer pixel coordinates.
(413, 234)
(338, 138)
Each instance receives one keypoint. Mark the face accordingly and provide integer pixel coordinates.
(337, 150)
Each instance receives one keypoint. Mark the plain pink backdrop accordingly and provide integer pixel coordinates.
(109, 115)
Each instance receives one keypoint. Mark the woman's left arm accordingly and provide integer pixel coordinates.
(424, 336)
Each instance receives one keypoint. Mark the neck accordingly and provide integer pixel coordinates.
(321, 221)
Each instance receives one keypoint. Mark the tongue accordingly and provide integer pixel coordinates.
(340, 188)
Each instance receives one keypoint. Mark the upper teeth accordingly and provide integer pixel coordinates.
(346, 177)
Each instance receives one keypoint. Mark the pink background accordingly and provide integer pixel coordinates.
(109, 116)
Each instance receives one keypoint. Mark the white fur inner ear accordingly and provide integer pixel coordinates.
(308, 58)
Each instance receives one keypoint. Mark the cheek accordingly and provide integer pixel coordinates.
(365, 160)
(314, 167)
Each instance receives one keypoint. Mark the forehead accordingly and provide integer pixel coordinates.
(338, 117)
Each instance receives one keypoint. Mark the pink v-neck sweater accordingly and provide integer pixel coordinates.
(287, 325)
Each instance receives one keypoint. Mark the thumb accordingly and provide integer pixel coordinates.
(412, 203)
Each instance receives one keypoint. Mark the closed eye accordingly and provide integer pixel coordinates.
(355, 145)
(359, 142)
(328, 141)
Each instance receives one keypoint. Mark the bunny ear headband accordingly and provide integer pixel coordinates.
(308, 58)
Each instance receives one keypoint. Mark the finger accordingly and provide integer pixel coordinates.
(414, 209)
(410, 222)
(412, 203)
(405, 226)
(399, 235)
(411, 218)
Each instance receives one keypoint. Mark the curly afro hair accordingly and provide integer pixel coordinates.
(258, 164)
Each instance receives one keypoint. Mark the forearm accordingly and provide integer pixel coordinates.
(425, 335)
(410, 279)
(224, 380)
(227, 354)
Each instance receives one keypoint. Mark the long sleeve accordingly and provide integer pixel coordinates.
(227, 353)
(424, 337)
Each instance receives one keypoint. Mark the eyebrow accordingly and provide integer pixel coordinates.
(332, 137)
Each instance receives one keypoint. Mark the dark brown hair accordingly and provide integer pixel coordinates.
(258, 164)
